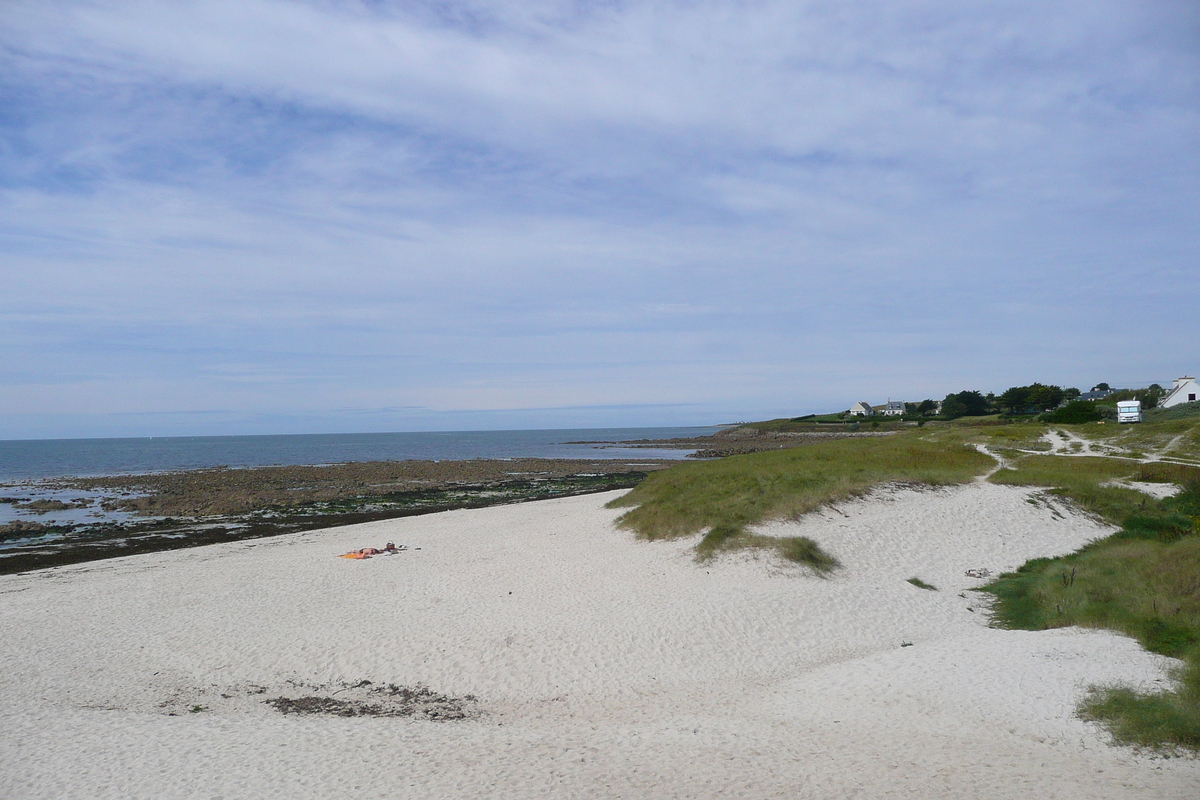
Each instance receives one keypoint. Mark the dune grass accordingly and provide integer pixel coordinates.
(1143, 581)
(723, 498)
(1167, 721)
(920, 584)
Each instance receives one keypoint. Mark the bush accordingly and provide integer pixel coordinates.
(1073, 413)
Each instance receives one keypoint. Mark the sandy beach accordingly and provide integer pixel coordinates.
(582, 662)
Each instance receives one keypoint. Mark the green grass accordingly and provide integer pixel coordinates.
(1182, 411)
(1167, 721)
(723, 498)
(920, 584)
(798, 550)
(1143, 581)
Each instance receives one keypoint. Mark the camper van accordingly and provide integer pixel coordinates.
(1129, 411)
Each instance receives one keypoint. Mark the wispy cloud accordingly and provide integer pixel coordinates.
(750, 208)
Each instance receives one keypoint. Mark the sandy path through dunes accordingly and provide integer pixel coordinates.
(604, 666)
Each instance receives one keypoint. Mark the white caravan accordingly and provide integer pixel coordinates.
(1129, 411)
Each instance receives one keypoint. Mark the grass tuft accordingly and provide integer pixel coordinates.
(1164, 721)
(920, 584)
(802, 550)
(797, 549)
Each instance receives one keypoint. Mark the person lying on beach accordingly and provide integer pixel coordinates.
(367, 552)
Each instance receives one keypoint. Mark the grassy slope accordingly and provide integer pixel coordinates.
(723, 497)
(1144, 581)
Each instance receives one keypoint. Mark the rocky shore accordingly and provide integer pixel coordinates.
(128, 514)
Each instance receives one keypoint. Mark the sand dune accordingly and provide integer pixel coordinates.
(601, 666)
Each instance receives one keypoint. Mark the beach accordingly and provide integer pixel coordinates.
(545, 652)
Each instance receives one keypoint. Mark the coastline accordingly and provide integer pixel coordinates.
(69, 519)
(120, 515)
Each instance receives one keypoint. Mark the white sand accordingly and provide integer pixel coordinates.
(604, 666)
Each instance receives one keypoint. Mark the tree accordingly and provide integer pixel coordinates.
(927, 407)
(1044, 397)
(1015, 399)
(1019, 399)
(964, 404)
(1071, 394)
(1100, 387)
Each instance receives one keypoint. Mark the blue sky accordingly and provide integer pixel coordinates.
(265, 216)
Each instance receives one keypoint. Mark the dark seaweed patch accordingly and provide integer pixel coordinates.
(381, 701)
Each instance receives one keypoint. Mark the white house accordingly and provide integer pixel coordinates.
(1186, 390)
(861, 409)
(894, 408)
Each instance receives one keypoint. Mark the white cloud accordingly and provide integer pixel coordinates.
(741, 207)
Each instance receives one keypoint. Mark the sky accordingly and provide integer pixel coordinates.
(300, 216)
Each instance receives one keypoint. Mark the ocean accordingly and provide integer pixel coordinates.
(32, 459)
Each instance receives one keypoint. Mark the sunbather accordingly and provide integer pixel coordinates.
(367, 552)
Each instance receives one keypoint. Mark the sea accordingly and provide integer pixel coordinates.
(38, 459)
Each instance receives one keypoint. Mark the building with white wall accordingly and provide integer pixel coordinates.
(861, 409)
(1186, 390)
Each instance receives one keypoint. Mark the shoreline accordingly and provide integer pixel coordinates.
(50, 522)
(117, 515)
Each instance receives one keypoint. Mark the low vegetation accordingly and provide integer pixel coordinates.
(1143, 581)
(1075, 412)
(1086, 481)
(723, 499)
(920, 584)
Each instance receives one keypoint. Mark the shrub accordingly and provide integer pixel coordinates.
(1075, 412)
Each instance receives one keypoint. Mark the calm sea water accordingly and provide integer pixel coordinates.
(50, 458)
